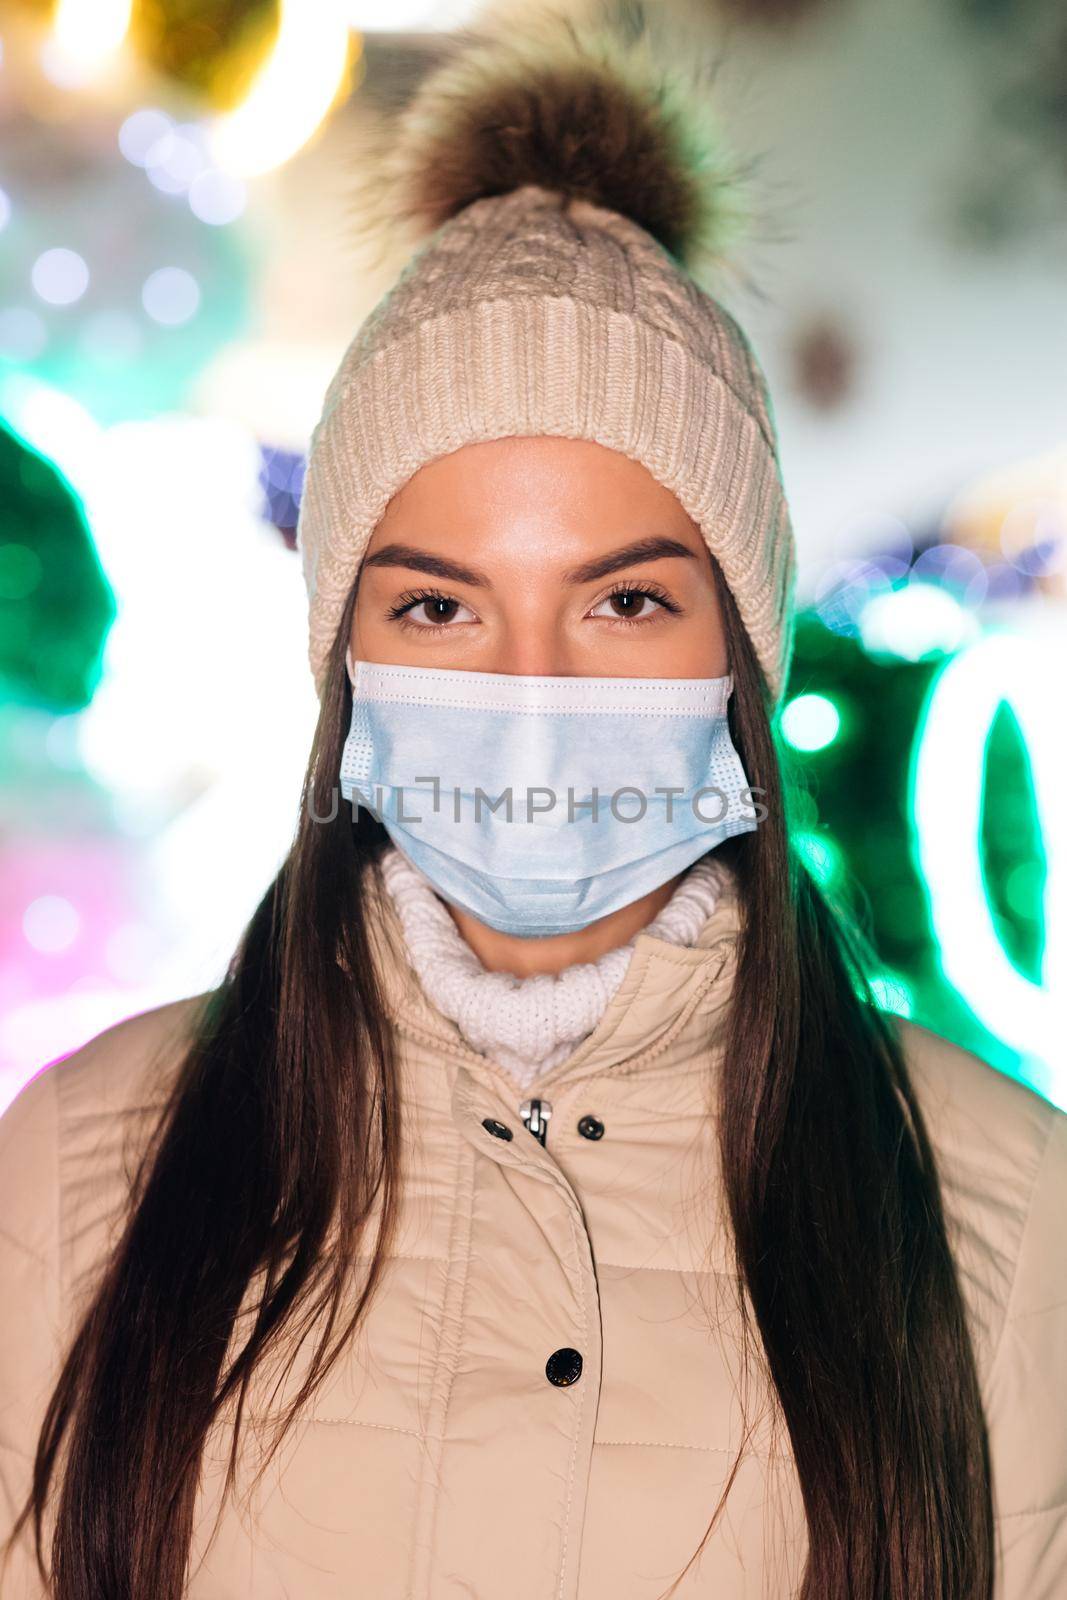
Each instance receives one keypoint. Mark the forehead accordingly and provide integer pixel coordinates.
(558, 498)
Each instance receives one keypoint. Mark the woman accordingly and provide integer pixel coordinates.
(540, 1207)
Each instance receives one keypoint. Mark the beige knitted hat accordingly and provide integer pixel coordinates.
(571, 192)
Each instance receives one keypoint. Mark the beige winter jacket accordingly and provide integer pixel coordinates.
(544, 1402)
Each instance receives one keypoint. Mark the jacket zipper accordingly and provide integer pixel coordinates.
(535, 1114)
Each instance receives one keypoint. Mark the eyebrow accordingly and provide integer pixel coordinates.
(407, 555)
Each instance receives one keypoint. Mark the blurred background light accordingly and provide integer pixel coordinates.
(292, 93)
(176, 159)
(810, 722)
(949, 790)
(217, 197)
(171, 296)
(60, 276)
(50, 923)
(1033, 537)
(87, 32)
(914, 622)
(141, 132)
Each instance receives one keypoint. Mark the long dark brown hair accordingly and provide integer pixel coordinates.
(277, 1155)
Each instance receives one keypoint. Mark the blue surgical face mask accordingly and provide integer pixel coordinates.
(539, 805)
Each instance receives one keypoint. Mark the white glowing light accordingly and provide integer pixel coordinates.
(5, 208)
(217, 197)
(203, 718)
(918, 620)
(50, 924)
(54, 424)
(130, 952)
(810, 722)
(59, 276)
(948, 781)
(202, 721)
(171, 296)
(86, 34)
(292, 92)
(141, 132)
(176, 159)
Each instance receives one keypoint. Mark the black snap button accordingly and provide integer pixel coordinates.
(563, 1367)
(499, 1130)
(591, 1128)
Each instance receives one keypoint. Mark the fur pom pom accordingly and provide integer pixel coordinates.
(609, 104)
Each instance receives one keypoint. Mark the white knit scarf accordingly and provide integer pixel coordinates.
(527, 1025)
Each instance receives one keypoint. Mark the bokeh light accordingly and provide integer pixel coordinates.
(915, 621)
(141, 132)
(50, 923)
(810, 722)
(292, 92)
(60, 276)
(217, 197)
(171, 296)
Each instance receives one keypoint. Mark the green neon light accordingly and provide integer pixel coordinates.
(1026, 672)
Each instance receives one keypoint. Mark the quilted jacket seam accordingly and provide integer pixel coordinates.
(458, 1051)
(582, 1398)
(628, 1068)
(677, 1444)
(365, 1422)
(429, 1483)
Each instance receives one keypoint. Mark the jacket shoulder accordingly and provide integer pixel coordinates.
(955, 1081)
(1002, 1153)
(64, 1146)
(66, 1138)
(126, 1064)
(1001, 1150)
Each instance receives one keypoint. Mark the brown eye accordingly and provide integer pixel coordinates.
(629, 603)
(633, 605)
(429, 611)
(438, 609)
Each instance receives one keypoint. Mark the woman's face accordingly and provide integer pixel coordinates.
(539, 557)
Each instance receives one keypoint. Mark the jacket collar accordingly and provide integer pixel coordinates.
(672, 998)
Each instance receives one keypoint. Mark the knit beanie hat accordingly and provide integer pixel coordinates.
(569, 190)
